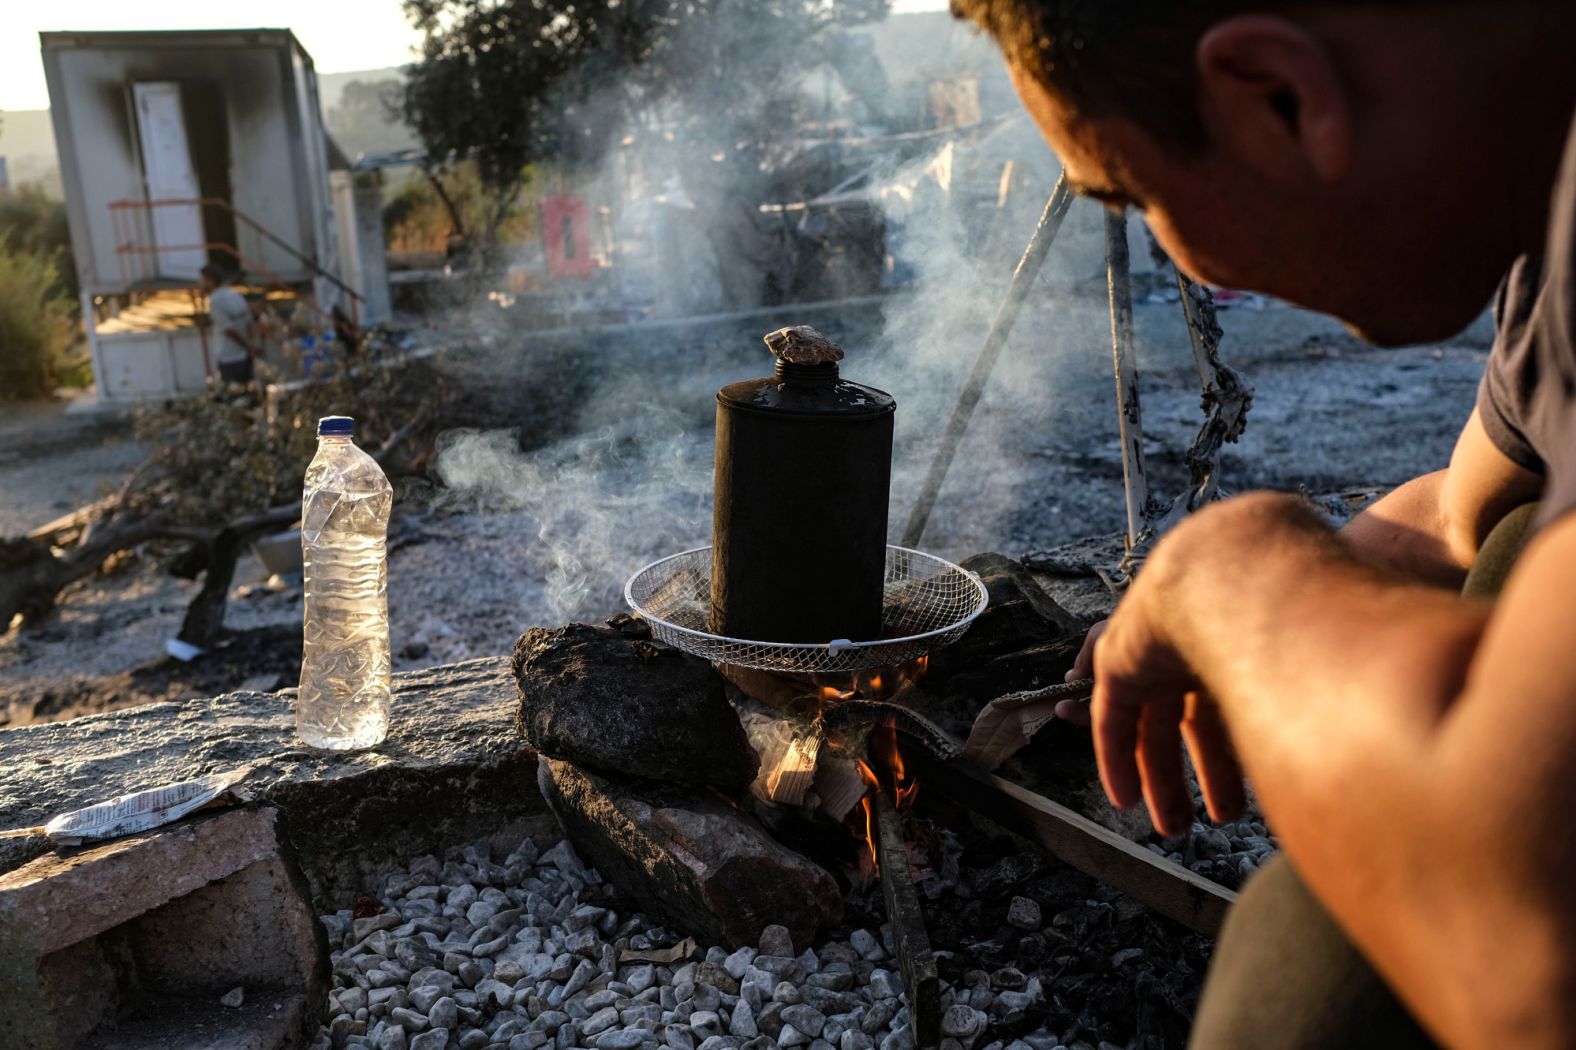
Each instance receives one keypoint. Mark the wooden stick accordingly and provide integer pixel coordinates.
(1130, 419)
(909, 937)
(1168, 888)
(21, 833)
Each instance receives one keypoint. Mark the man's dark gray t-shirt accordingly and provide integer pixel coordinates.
(1527, 400)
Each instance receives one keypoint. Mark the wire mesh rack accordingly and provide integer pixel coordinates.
(929, 603)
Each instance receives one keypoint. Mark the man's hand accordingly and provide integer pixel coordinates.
(1077, 711)
(1147, 703)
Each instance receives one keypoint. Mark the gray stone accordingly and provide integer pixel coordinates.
(678, 1037)
(474, 1039)
(628, 1039)
(705, 1023)
(776, 940)
(393, 1038)
(600, 1021)
(1009, 979)
(527, 1041)
(878, 1016)
(693, 861)
(885, 985)
(787, 993)
(865, 943)
(584, 971)
(831, 981)
(641, 978)
(471, 972)
(900, 1039)
(854, 1039)
(423, 997)
(791, 1036)
(742, 1022)
(963, 1023)
(436, 1039)
(1024, 913)
(408, 1019)
(706, 997)
(806, 1019)
(616, 704)
(736, 964)
(361, 929)
(497, 990)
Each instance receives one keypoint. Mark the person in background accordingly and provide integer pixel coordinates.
(232, 334)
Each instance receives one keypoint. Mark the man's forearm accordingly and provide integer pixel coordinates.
(1407, 532)
(1341, 687)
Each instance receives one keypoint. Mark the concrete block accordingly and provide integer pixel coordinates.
(105, 946)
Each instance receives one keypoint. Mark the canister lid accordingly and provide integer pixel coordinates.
(806, 381)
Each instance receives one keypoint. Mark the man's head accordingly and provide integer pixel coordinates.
(1345, 155)
(209, 278)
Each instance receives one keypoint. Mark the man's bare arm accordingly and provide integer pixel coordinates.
(1431, 528)
(1414, 750)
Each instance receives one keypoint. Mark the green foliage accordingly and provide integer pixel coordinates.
(37, 326)
(417, 219)
(31, 221)
(215, 458)
(367, 118)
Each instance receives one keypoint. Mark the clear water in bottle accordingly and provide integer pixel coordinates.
(344, 698)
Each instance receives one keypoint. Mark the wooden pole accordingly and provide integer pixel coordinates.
(1130, 417)
(1006, 316)
(1074, 839)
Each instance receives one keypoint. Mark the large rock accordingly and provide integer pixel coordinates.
(453, 770)
(614, 701)
(696, 861)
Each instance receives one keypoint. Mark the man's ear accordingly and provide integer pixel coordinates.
(1270, 94)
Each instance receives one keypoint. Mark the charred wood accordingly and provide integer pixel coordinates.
(909, 936)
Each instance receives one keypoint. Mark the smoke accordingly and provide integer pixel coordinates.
(609, 463)
(603, 503)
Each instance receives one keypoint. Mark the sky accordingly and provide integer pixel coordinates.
(340, 35)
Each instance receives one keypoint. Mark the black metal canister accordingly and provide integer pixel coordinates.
(803, 475)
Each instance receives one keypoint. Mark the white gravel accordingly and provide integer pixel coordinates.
(482, 950)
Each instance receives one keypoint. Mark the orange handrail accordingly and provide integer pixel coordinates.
(241, 260)
(122, 205)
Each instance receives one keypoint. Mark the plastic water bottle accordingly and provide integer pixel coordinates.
(344, 698)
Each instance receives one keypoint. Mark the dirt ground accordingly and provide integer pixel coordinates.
(550, 535)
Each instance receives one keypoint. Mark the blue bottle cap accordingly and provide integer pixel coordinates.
(336, 426)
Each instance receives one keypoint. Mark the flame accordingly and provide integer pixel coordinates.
(904, 789)
(868, 775)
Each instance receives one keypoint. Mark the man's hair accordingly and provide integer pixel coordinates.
(1120, 58)
(212, 272)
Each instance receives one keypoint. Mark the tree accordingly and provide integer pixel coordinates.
(511, 82)
(367, 118)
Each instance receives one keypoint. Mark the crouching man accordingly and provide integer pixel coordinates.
(1388, 162)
